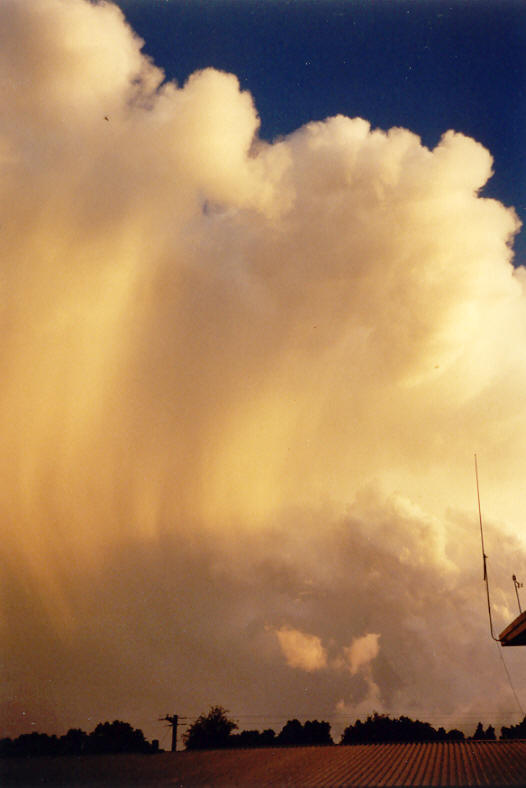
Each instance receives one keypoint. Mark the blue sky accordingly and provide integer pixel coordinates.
(426, 65)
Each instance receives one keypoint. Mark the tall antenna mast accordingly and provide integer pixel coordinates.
(517, 586)
(484, 556)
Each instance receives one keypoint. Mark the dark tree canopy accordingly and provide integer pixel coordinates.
(381, 728)
(291, 734)
(266, 738)
(210, 731)
(484, 735)
(116, 736)
(214, 731)
(453, 735)
(317, 732)
(107, 737)
(311, 732)
(75, 742)
(514, 731)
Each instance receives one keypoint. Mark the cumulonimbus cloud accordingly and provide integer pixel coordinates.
(242, 382)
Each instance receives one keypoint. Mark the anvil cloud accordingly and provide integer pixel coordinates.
(242, 387)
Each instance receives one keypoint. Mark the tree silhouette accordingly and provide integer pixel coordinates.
(210, 731)
(30, 744)
(317, 732)
(291, 734)
(484, 735)
(381, 728)
(266, 738)
(75, 742)
(115, 737)
(455, 735)
(312, 732)
(514, 731)
(107, 737)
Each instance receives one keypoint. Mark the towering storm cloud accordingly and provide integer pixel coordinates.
(242, 387)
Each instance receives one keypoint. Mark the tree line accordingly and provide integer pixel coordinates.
(107, 737)
(215, 730)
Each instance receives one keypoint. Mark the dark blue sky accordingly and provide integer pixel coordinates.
(427, 65)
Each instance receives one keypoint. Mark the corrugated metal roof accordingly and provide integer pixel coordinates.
(515, 633)
(459, 764)
(470, 763)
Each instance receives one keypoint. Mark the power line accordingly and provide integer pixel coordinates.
(340, 717)
(511, 682)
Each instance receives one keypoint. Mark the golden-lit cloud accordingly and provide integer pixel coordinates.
(242, 385)
(302, 650)
(361, 651)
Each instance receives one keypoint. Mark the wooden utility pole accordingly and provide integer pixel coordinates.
(172, 720)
